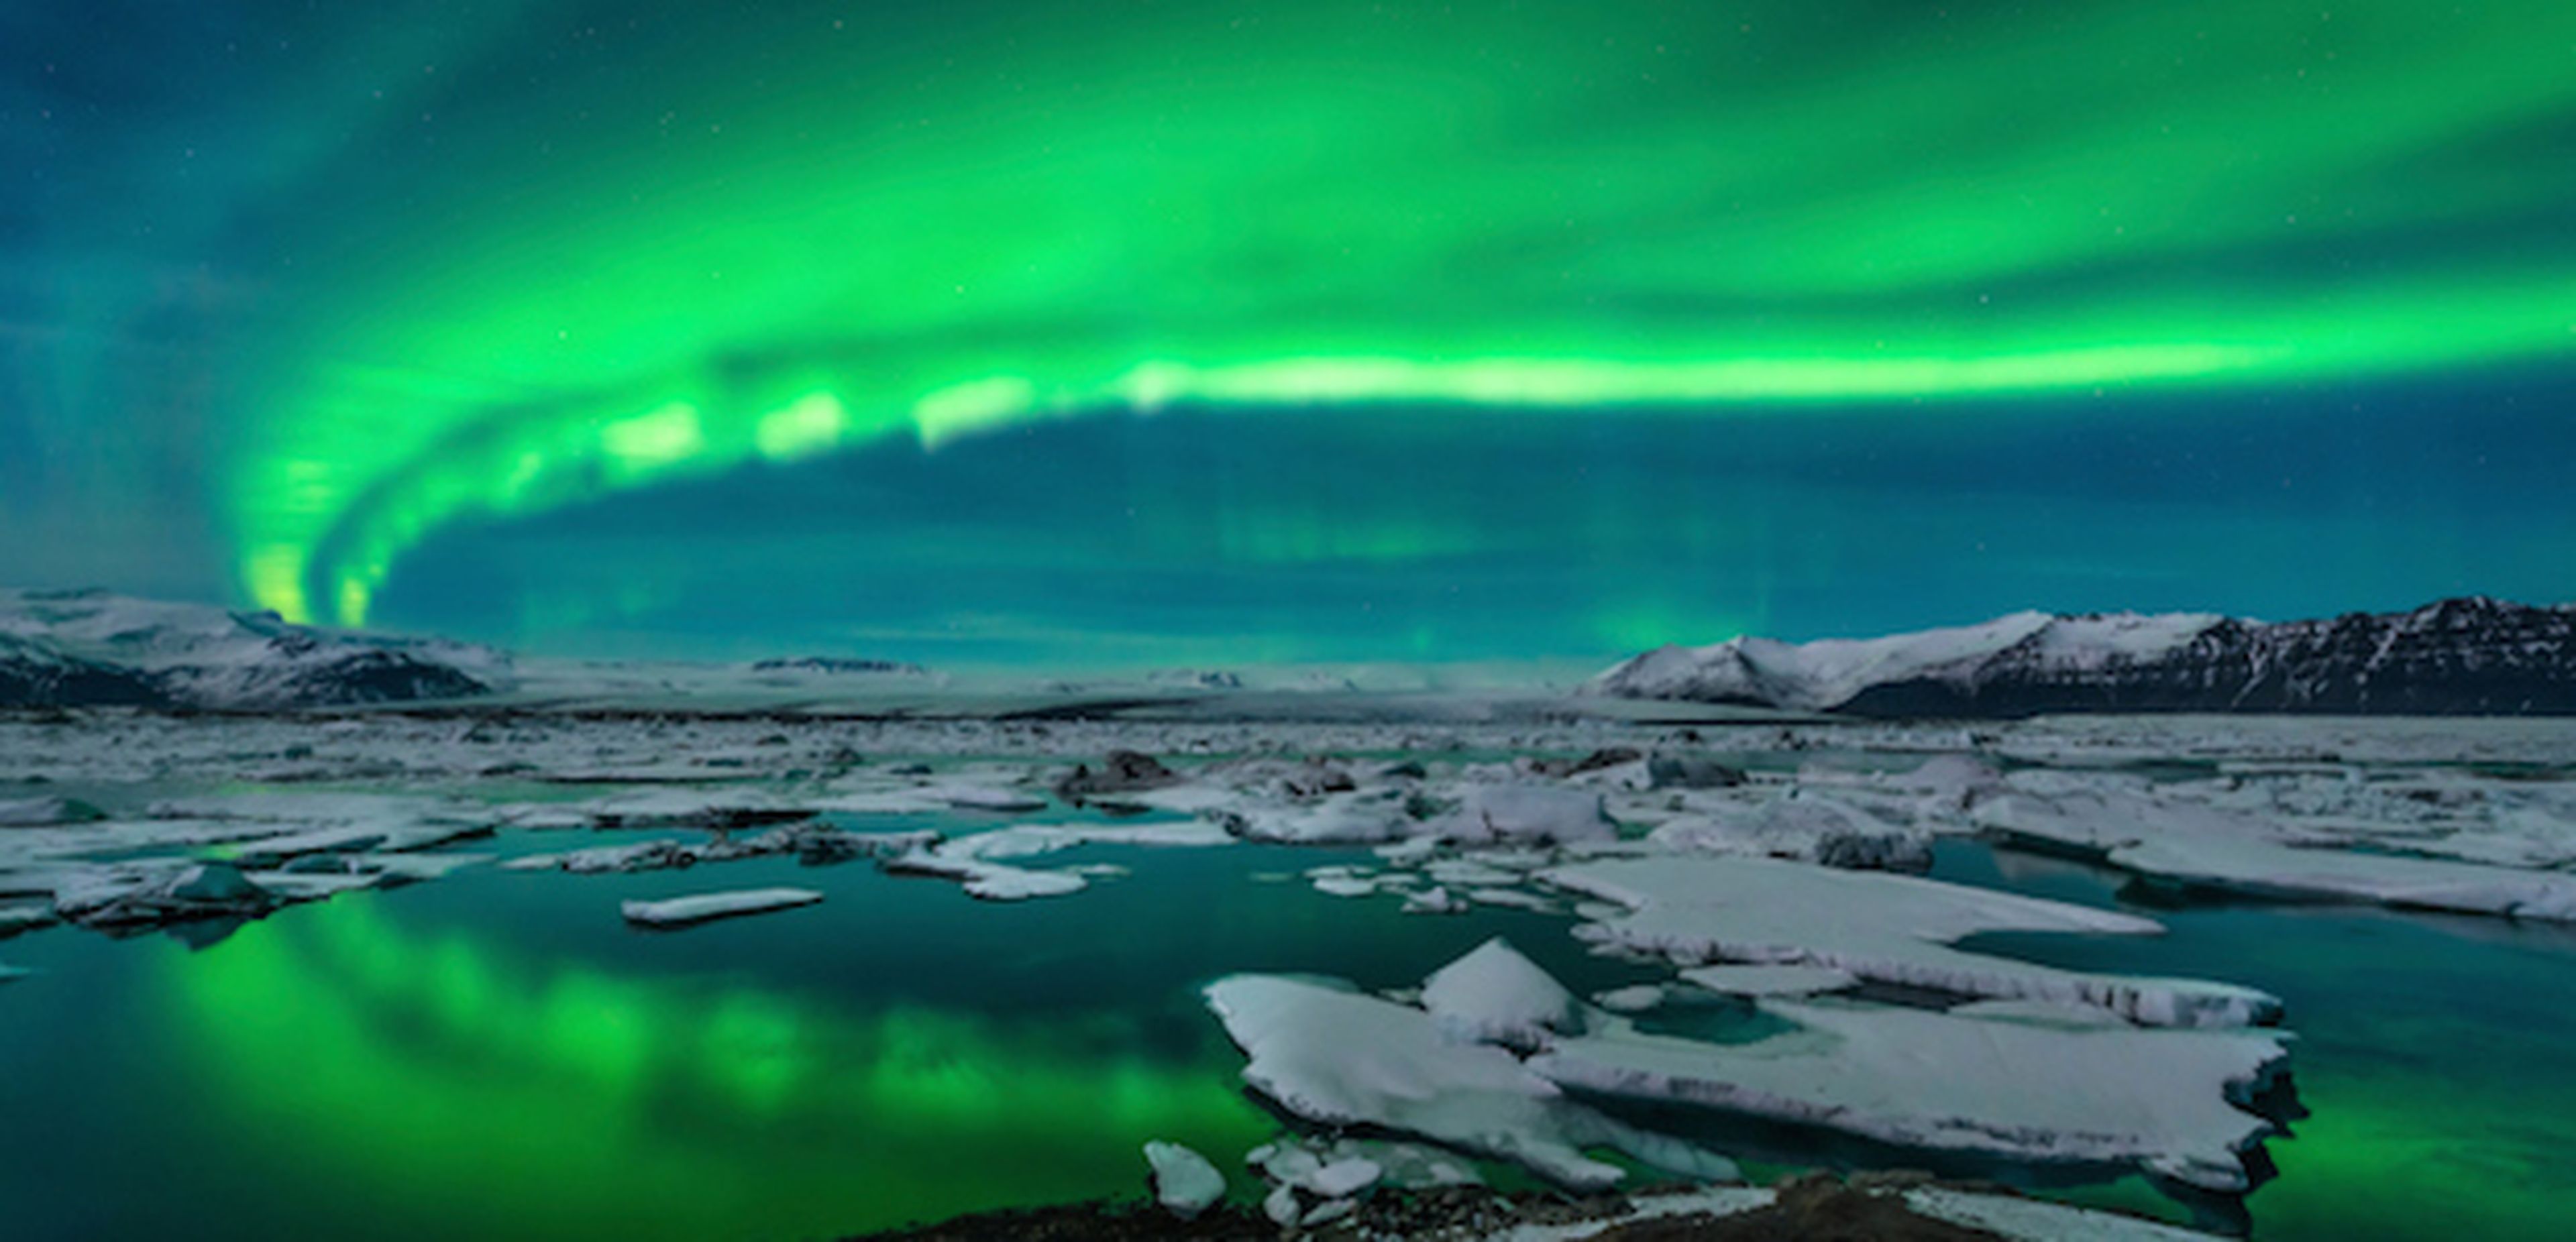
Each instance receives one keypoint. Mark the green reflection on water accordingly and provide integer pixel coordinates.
(2431, 1054)
(442, 1077)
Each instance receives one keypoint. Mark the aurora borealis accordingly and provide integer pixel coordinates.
(550, 320)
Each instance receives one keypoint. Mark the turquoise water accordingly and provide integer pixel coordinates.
(498, 1055)
(2434, 1055)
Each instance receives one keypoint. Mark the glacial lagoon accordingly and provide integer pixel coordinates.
(498, 1054)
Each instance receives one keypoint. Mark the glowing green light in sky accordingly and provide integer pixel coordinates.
(770, 242)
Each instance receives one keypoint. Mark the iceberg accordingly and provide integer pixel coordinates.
(1704, 910)
(1341, 1058)
(2166, 1101)
(1184, 1182)
(706, 907)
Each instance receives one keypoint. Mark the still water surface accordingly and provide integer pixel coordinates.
(498, 1055)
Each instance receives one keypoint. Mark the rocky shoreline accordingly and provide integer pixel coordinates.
(1806, 1208)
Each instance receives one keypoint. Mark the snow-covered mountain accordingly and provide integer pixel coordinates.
(2473, 656)
(76, 648)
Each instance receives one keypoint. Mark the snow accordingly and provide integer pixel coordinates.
(1874, 926)
(987, 881)
(2211, 848)
(1810, 676)
(1338, 1057)
(1527, 814)
(1349, 818)
(143, 894)
(1434, 900)
(46, 812)
(208, 657)
(1634, 999)
(1802, 824)
(1770, 980)
(982, 798)
(2035, 1220)
(1711, 1201)
(1495, 995)
(704, 907)
(2156, 1099)
(1184, 1182)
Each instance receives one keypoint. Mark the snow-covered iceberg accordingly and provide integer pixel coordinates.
(1878, 927)
(706, 907)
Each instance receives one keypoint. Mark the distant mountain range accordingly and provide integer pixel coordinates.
(2457, 657)
(90, 648)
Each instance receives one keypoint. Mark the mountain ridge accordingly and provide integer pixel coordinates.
(2470, 655)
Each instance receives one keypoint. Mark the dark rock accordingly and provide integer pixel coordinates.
(1682, 770)
(1124, 771)
(1607, 757)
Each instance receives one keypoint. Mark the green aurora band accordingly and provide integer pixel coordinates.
(772, 238)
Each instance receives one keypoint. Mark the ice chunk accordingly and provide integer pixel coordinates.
(1352, 818)
(1636, 999)
(1689, 1205)
(136, 898)
(2036, 1220)
(1495, 995)
(1184, 1181)
(1772, 980)
(2160, 1100)
(1433, 900)
(985, 798)
(1341, 1058)
(1344, 1178)
(2208, 848)
(1705, 910)
(987, 881)
(704, 907)
(1802, 824)
(1527, 813)
(47, 812)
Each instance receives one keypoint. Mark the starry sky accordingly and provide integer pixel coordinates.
(1187, 331)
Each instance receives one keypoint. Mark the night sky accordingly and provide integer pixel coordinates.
(1178, 331)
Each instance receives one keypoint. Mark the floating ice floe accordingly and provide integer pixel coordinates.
(987, 798)
(1878, 927)
(1512, 898)
(15, 918)
(1184, 1182)
(734, 807)
(1338, 1057)
(1704, 1202)
(706, 907)
(1804, 825)
(1636, 998)
(1773, 980)
(2036, 1220)
(1434, 900)
(2208, 848)
(814, 843)
(140, 896)
(1406, 1166)
(973, 860)
(1348, 818)
(986, 881)
(1494, 995)
(47, 812)
(1526, 814)
(2040, 1093)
